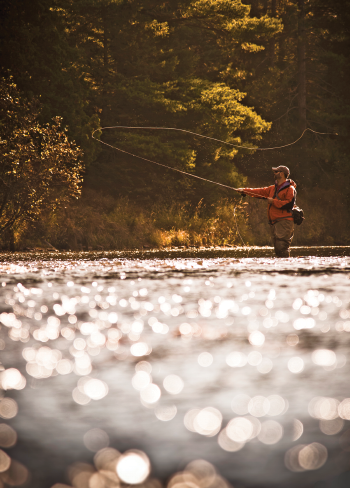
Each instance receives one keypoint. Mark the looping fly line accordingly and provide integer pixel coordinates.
(204, 137)
(199, 135)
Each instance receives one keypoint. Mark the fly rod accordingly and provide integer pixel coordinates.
(251, 194)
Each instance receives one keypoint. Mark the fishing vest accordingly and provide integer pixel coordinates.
(295, 212)
(288, 206)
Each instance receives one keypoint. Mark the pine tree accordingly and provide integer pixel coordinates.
(166, 66)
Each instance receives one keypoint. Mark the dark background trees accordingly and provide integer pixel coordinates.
(254, 73)
(304, 85)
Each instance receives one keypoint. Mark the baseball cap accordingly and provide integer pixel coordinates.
(284, 169)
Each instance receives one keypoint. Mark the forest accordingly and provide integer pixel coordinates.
(252, 73)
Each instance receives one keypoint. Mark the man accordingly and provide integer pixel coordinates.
(281, 199)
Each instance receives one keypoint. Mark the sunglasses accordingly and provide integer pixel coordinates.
(276, 172)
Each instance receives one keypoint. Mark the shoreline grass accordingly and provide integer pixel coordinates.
(103, 223)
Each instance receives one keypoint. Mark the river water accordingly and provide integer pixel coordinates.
(214, 368)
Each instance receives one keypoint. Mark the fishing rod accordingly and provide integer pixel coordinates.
(204, 137)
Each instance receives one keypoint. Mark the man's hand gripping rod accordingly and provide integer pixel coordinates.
(249, 193)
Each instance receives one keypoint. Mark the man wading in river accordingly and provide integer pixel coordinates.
(280, 198)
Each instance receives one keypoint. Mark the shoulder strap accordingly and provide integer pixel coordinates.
(288, 206)
(285, 185)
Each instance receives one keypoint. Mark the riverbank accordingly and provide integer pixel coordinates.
(102, 223)
(173, 253)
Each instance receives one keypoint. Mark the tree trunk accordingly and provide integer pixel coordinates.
(264, 9)
(272, 43)
(301, 65)
(105, 65)
(254, 8)
(9, 239)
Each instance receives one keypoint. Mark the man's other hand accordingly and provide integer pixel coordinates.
(270, 201)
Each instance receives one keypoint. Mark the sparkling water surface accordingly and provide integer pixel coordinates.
(191, 369)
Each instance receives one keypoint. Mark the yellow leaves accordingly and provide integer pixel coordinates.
(224, 108)
(158, 29)
(217, 153)
(191, 162)
(220, 9)
(231, 154)
(39, 163)
(252, 48)
(56, 9)
(219, 92)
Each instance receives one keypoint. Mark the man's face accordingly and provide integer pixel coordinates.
(278, 176)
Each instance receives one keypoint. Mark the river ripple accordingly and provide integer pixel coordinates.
(241, 361)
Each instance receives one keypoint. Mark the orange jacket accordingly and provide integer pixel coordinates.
(275, 211)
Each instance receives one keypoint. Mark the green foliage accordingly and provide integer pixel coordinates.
(159, 66)
(35, 49)
(40, 168)
(129, 62)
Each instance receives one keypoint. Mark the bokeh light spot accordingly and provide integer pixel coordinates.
(16, 475)
(254, 358)
(258, 406)
(165, 412)
(324, 357)
(8, 436)
(143, 366)
(95, 389)
(12, 379)
(141, 380)
(189, 419)
(236, 359)
(277, 405)
(96, 439)
(133, 467)
(173, 384)
(256, 338)
(205, 359)
(106, 460)
(140, 349)
(265, 366)
(291, 459)
(298, 429)
(5, 461)
(64, 366)
(331, 427)
(203, 472)
(292, 340)
(228, 444)
(307, 323)
(295, 365)
(313, 456)
(8, 408)
(239, 429)
(208, 421)
(151, 394)
(79, 397)
(344, 409)
(271, 432)
(324, 408)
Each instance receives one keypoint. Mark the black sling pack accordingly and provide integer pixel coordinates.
(298, 215)
(297, 212)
